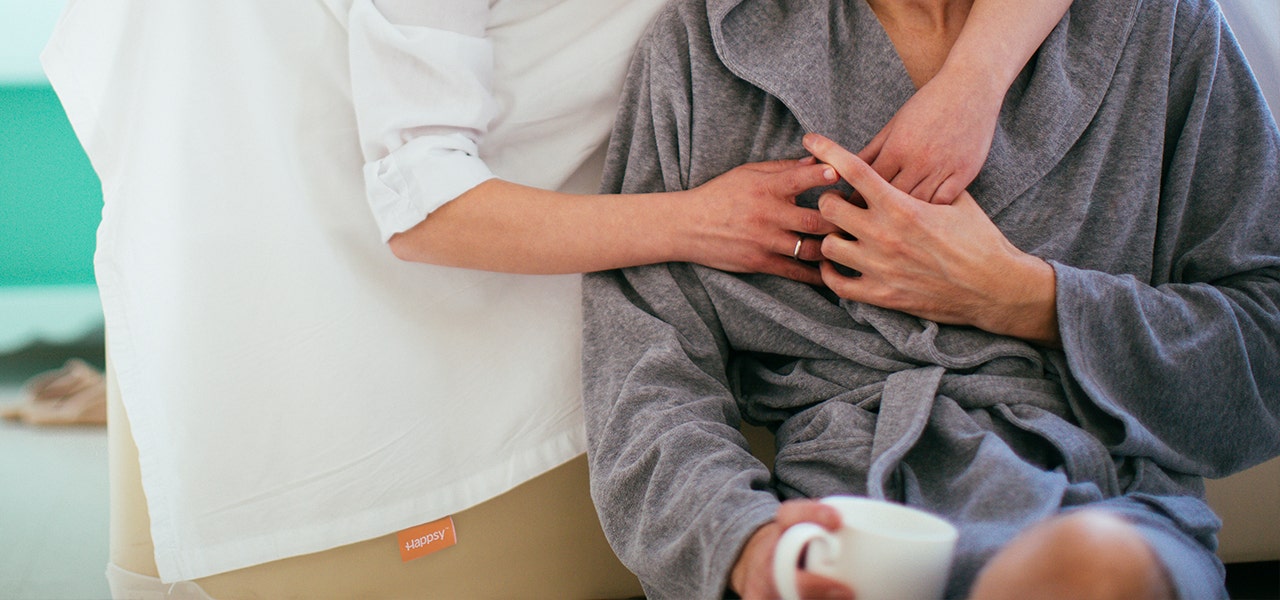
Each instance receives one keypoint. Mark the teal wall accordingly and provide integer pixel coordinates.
(50, 198)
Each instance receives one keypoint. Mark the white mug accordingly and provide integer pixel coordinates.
(883, 551)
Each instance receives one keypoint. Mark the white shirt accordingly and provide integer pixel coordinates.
(439, 112)
(291, 386)
(422, 85)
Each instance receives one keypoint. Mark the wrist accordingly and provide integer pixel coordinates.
(985, 80)
(658, 226)
(979, 71)
(1027, 304)
(754, 557)
(687, 227)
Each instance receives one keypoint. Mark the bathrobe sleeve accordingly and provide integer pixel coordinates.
(1188, 361)
(421, 83)
(676, 488)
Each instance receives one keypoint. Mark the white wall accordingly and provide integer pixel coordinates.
(1256, 24)
(25, 25)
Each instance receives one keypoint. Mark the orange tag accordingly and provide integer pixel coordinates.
(422, 540)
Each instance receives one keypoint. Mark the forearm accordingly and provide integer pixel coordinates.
(1189, 368)
(743, 221)
(676, 488)
(998, 39)
(502, 226)
(1021, 300)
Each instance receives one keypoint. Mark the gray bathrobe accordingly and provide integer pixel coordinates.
(1134, 153)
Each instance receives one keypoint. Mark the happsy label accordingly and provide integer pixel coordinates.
(422, 540)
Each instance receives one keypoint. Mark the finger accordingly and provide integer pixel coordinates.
(806, 249)
(843, 214)
(887, 170)
(842, 251)
(856, 199)
(792, 512)
(792, 269)
(858, 173)
(806, 221)
(872, 150)
(927, 188)
(850, 288)
(811, 251)
(887, 164)
(905, 180)
(812, 585)
(771, 166)
(800, 178)
(949, 191)
(789, 246)
(781, 165)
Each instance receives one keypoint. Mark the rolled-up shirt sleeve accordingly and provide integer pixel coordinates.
(421, 83)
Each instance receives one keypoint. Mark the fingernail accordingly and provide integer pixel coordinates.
(829, 174)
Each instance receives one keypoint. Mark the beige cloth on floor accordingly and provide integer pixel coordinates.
(75, 394)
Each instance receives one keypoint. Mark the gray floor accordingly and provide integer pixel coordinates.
(53, 490)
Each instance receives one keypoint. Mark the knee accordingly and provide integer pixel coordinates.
(1088, 554)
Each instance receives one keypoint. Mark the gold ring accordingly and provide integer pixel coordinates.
(796, 253)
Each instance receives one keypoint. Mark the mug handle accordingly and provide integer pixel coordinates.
(787, 553)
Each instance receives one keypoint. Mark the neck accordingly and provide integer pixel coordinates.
(922, 31)
(923, 15)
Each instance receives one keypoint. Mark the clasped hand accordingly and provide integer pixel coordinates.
(948, 263)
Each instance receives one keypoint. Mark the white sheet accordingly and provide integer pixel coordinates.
(290, 385)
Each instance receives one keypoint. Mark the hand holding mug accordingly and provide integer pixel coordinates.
(882, 550)
(752, 574)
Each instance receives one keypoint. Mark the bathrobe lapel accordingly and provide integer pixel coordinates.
(838, 72)
(835, 69)
(1053, 100)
